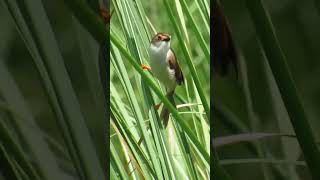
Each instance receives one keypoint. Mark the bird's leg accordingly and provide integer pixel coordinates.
(146, 67)
(165, 113)
(157, 106)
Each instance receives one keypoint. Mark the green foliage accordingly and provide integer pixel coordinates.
(73, 151)
(143, 148)
(277, 46)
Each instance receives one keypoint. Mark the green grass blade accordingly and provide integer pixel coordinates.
(129, 29)
(34, 141)
(89, 56)
(116, 159)
(89, 19)
(71, 121)
(12, 144)
(137, 112)
(196, 30)
(270, 161)
(189, 61)
(160, 95)
(218, 171)
(287, 88)
(8, 166)
(136, 150)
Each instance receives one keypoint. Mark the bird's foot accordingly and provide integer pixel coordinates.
(157, 106)
(146, 67)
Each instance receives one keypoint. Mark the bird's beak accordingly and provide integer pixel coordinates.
(167, 38)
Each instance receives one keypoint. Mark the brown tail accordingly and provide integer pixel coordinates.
(165, 111)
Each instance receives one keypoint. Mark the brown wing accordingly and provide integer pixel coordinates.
(223, 46)
(173, 64)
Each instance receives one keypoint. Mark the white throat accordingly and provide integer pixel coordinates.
(159, 48)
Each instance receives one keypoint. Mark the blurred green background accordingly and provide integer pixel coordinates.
(74, 43)
(254, 100)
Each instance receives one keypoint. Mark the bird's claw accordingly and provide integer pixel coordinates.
(157, 106)
(145, 67)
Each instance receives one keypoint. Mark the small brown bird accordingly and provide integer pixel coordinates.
(224, 50)
(165, 68)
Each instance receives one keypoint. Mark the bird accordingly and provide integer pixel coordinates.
(224, 50)
(164, 66)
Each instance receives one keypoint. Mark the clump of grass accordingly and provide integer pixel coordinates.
(144, 148)
(30, 152)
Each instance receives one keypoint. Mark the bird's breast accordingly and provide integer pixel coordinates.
(158, 64)
(161, 70)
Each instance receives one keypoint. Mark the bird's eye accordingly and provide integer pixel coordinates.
(159, 37)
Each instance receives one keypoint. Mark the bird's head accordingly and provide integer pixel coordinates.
(161, 42)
